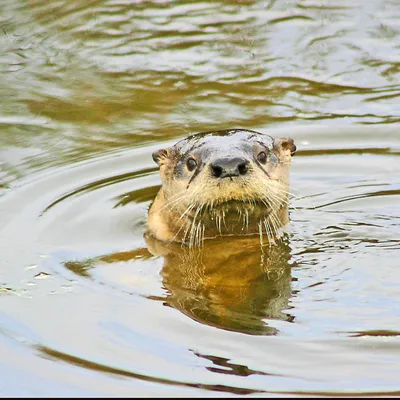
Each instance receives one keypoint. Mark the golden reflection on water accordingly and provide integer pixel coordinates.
(231, 283)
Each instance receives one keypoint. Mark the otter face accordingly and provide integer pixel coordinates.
(216, 167)
(214, 173)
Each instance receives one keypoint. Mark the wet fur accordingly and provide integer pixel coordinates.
(193, 206)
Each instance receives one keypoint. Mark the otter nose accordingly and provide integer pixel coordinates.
(226, 167)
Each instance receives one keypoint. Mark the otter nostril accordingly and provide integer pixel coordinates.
(216, 170)
(229, 167)
(242, 168)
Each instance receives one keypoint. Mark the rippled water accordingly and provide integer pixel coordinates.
(89, 90)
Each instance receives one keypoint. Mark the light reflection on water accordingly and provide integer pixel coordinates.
(90, 89)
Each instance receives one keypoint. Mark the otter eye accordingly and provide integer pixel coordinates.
(191, 164)
(262, 157)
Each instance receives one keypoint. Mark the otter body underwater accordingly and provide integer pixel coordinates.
(229, 182)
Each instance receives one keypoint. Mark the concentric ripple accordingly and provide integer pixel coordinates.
(101, 301)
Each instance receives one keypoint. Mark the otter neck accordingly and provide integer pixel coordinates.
(230, 218)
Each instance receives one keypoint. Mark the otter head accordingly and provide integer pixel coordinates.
(225, 182)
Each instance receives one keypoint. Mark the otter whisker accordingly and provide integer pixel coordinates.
(191, 234)
(178, 197)
(197, 239)
(283, 194)
(175, 199)
(219, 222)
(276, 200)
(273, 229)
(267, 231)
(278, 226)
(223, 219)
(283, 198)
(278, 193)
(198, 229)
(241, 216)
(274, 217)
(268, 205)
(215, 217)
(275, 226)
(273, 223)
(246, 210)
(185, 234)
(190, 226)
(260, 231)
(301, 198)
(230, 194)
(167, 205)
(188, 209)
(192, 229)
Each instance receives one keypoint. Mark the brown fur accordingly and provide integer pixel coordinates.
(194, 205)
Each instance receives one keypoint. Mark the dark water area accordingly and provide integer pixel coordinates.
(89, 90)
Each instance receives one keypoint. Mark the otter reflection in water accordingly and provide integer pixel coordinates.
(231, 282)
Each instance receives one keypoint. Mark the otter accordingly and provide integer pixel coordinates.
(222, 183)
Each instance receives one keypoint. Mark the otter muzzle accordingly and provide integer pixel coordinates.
(229, 167)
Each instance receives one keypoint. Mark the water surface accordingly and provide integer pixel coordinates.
(89, 90)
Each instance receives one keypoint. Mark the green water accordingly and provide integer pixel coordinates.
(89, 89)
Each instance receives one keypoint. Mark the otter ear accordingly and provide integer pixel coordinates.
(284, 147)
(161, 155)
